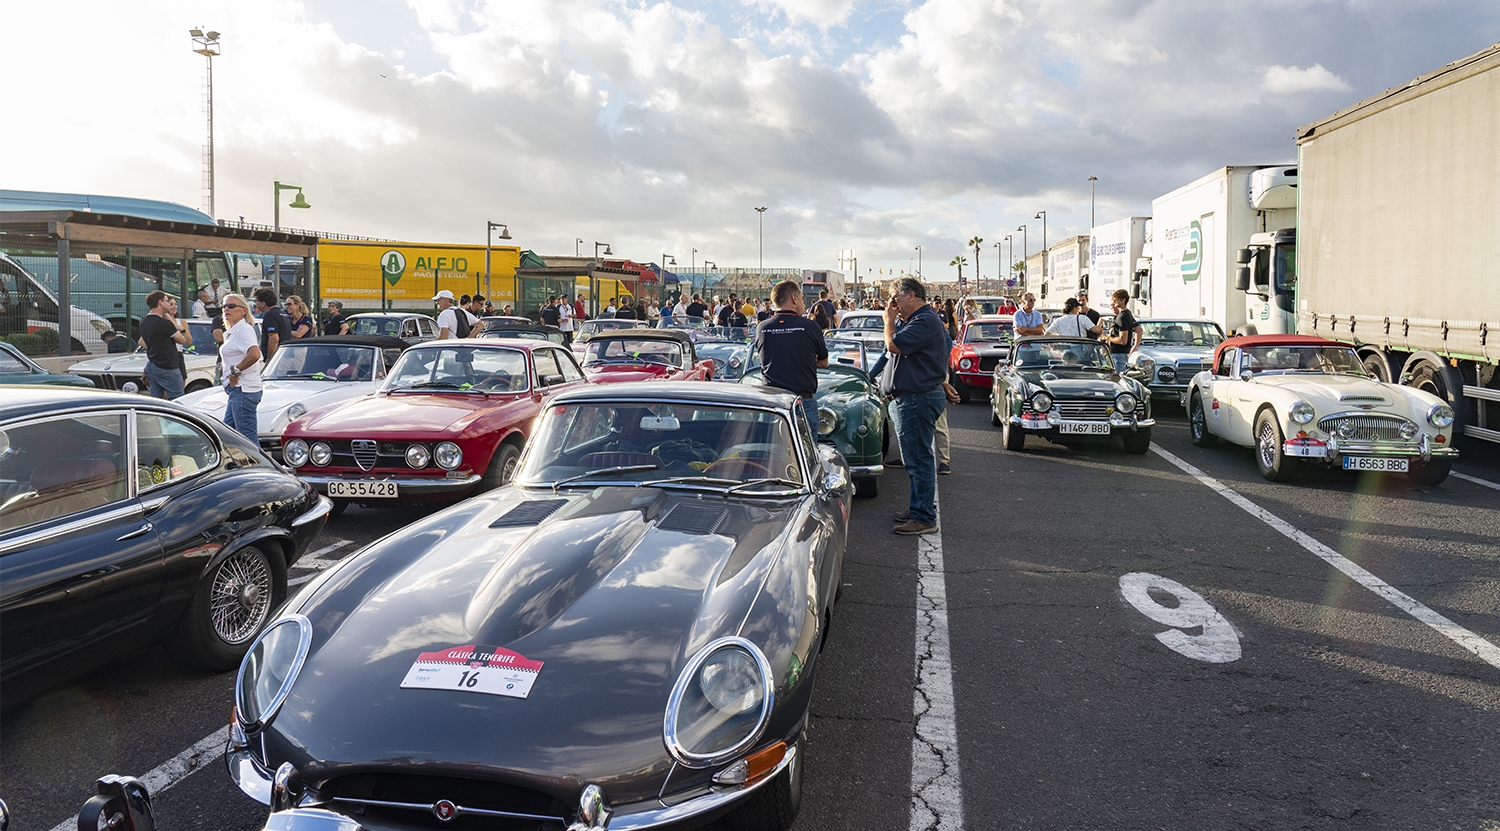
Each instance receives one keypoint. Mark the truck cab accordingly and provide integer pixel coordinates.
(1267, 274)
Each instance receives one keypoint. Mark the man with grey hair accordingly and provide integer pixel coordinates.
(919, 350)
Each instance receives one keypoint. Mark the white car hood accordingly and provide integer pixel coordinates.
(278, 396)
(1343, 391)
(135, 362)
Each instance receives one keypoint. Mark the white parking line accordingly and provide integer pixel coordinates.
(1486, 651)
(1476, 480)
(936, 796)
(327, 549)
(162, 777)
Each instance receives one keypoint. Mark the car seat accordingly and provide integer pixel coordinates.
(618, 458)
(63, 487)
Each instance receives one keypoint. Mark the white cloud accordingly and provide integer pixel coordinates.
(823, 13)
(1285, 80)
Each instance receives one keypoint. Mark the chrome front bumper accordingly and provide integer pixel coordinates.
(318, 511)
(865, 471)
(258, 784)
(424, 485)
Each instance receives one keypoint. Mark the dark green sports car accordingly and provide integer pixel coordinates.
(16, 368)
(1067, 391)
(852, 414)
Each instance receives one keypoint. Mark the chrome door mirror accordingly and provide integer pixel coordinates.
(1246, 375)
(835, 483)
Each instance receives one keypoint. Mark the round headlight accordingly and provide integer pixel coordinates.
(297, 410)
(448, 456)
(827, 421)
(966, 363)
(268, 671)
(1125, 402)
(1408, 430)
(1146, 364)
(719, 704)
(1041, 402)
(1303, 412)
(417, 456)
(295, 452)
(320, 453)
(1441, 415)
(735, 362)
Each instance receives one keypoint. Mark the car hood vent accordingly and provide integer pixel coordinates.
(699, 520)
(530, 512)
(1355, 397)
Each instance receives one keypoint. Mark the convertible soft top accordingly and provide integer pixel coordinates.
(678, 335)
(1244, 341)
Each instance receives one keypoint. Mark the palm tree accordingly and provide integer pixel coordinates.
(975, 241)
(960, 262)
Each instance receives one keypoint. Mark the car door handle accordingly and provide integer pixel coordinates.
(144, 529)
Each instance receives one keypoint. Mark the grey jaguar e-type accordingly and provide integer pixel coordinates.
(624, 637)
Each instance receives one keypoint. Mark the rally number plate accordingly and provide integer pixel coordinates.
(1375, 463)
(1087, 428)
(363, 490)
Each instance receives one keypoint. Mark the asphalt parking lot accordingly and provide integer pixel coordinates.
(1158, 641)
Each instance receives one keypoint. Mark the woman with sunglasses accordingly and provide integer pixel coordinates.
(302, 322)
(241, 356)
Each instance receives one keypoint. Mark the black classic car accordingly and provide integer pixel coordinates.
(1067, 391)
(125, 521)
(625, 636)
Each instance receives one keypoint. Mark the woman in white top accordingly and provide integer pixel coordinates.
(241, 359)
(1070, 323)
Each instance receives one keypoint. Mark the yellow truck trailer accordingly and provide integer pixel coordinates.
(365, 275)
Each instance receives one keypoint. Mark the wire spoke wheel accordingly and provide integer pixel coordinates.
(1267, 445)
(241, 596)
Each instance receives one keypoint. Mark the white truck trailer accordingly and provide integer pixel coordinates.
(1113, 252)
(1067, 266)
(1224, 248)
(1399, 214)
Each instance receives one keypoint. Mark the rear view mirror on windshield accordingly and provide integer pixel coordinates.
(660, 423)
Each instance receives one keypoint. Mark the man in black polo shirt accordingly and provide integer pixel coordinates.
(161, 333)
(550, 315)
(697, 307)
(920, 348)
(729, 308)
(791, 348)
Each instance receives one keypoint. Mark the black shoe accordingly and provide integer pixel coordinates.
(944, 469)
(896, 463)
(904, 516)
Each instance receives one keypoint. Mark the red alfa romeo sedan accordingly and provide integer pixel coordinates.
(449, 421)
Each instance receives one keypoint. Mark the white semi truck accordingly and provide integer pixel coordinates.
(1399, 216)
(1114, 250)
(1224, 248)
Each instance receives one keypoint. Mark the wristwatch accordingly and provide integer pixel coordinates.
(234, 371)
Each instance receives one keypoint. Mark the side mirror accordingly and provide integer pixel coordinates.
(1243, 256)
(1135, 291)
(835, 483)
(1246, 375)
(549, 380)
(1242, 278)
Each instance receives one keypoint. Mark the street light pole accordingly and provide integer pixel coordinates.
(577, 244)
(762, 270)
(489, 228)
(1025, 258)
(593, 287)
(1042, 215)
(999, 269)
(1010, 260)
(1092, 180)
(661, 287)
(298, 201)
(207, 45)
(919, 262)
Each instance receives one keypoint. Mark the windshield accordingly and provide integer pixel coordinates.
(864, 322)
(633, 350)
(990, 305)
(850, 353)
(521, 334)
(1286, 267)
(1064, 353)
(1181, 332)
(203, 339)
(601, 442)
(375, 326)
(989, 332)
(730, 359)
(590, 328)
(324, 362)
(681, 322)
(1328, 360)
(11, 365)
(461, 368)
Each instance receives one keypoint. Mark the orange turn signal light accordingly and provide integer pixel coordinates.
(764, 761)
(1440, 438)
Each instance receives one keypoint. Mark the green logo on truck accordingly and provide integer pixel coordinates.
(1192, 256)
(393, 265)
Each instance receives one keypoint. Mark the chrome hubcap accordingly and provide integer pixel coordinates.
(240, 597)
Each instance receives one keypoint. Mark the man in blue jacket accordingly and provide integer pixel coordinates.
(917, 396)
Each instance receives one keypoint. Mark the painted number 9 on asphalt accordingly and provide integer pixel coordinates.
(1217, 643)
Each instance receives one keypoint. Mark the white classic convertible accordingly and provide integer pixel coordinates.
(307, 374)
(1298, 398)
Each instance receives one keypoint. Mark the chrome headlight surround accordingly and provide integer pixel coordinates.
(1041, 402)
(448, 455)
(828, 421)
(965, 363)
(320, 453)
(691, 703)
(296, 411)
(1125, 402)
(274, 649)
(1409, 430)
(1146, 365)
(1302, 412)
(417, 456)
(295, 453)
(1440, 416)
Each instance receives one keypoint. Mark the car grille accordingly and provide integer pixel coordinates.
(365, 454)
(103, 382)
(1084, 410)
(988, 363)
(414, 795)
(1187, 369)
(1365, 428)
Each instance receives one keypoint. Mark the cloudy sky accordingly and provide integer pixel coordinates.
(872, 125)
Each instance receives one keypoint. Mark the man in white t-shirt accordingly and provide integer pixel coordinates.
(565, 319)
(447, 321)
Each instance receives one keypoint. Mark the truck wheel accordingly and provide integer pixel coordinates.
(1270, 455)
(1013, 437)
(1443, 382)
(1138, 442)
(1378, 367)
(1429, 473)
(502, 467)
(1198, 423)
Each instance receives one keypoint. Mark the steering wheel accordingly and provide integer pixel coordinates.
(499, 382)
(749, 465)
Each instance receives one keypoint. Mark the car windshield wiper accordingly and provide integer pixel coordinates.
(439, 385)
(603, 470)
(316, 376)
(767, 481)
(682, 480)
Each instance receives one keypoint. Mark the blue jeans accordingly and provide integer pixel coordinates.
(240, 415)
(915, 418)
(163, 383)
(810, 409)
(1121, 359)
